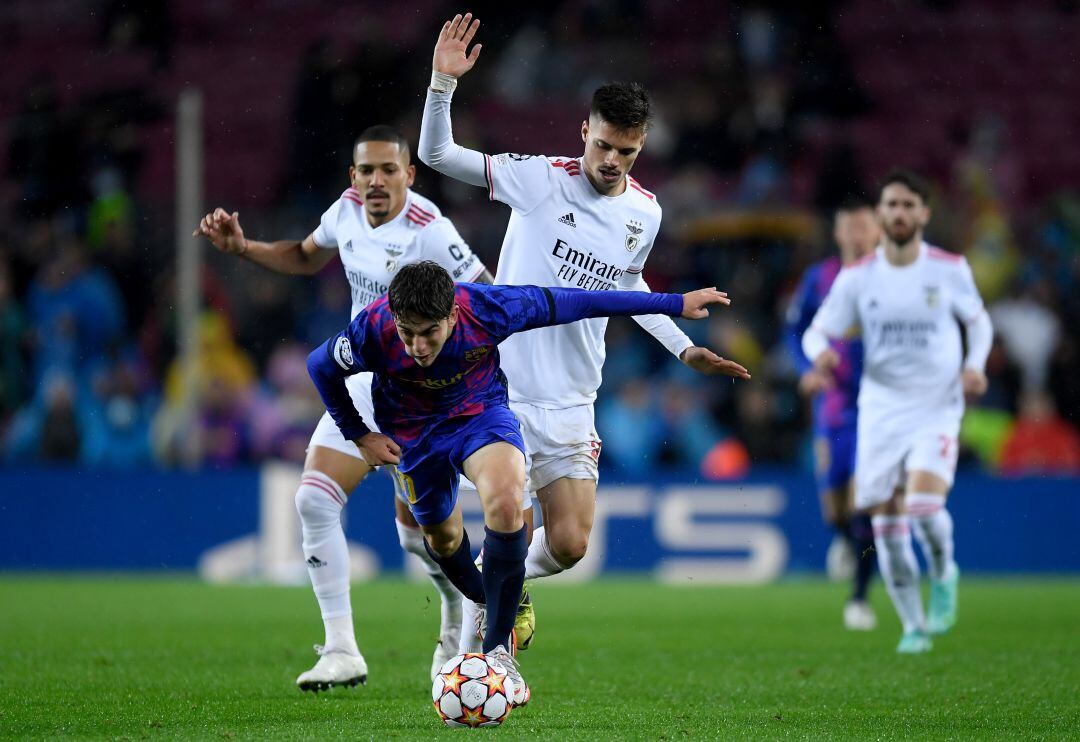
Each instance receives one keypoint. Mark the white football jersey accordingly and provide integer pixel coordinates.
(563, 233)
(372, 256)
(908, 315)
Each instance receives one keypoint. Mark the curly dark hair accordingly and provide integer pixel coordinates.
(907, 178)
(624, 105)
(422, 291)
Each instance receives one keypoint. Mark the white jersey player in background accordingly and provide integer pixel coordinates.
(378, 225)
(577, 222)
(907, 298)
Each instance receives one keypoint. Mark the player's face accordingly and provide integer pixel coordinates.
(424, 338)
(609, 153)
(902, 213)
(856, 233)
(382, 173)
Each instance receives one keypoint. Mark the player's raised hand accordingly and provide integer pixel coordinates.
(223, 230)
(694, 303)
(704, 361)
(452, 56)
(378, 449)
(974, 382)
(827, 361)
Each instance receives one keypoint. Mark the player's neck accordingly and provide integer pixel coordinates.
(901, 255)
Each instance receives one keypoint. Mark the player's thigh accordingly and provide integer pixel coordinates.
(347, 470)
(568, 507)
(329, 452)
(498, 471)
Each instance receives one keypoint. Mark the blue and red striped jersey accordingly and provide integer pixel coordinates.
(465, 377)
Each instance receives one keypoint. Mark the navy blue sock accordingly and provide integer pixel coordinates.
(460, 570)
(504, 574)
(862, 540)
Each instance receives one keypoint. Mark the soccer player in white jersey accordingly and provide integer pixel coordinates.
(908, 298)
(577, 222)
(378, 225)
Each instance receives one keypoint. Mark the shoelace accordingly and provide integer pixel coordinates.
(509, 663)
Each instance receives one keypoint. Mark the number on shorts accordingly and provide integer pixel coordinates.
(405, 482)
(948, 447)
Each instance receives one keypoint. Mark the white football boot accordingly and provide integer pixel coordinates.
(522, 694)
(333, 668)
(859, 616)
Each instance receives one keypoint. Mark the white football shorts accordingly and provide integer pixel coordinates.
(559, 443)
(888, 449)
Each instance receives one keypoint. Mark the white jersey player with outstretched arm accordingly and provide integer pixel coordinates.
(909, 299)
(578, 222)
(377, 226)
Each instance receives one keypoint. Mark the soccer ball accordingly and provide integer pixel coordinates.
(472, 690)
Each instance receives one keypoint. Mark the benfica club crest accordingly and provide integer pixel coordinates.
(393, 252)
(633, 240)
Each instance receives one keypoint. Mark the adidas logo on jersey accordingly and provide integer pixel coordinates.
(568, 219)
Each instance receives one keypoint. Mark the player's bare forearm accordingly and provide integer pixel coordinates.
(286, 256)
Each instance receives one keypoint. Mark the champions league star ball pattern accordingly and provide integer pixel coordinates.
(472, 690)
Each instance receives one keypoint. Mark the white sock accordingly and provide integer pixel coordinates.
(899, 570)
(319, 502)
(934, 529)
(469, 641)
(412, 541)
(540, 562)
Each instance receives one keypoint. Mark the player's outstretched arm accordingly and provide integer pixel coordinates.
(223, 229)
(437, 148)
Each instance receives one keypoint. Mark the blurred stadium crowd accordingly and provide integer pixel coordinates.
(769, 116)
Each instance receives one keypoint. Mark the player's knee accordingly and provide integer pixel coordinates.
(318, 497)
(443, 544)
(569, 545)
(503, 512)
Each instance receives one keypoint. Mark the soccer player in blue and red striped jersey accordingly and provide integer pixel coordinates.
(440, 400)
(835, 396)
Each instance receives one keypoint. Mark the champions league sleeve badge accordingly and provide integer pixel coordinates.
(343, 353)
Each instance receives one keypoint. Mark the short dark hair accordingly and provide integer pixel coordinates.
(422, 291)
(624, 105)
(854, 202)
(908, 179)
(382, 133)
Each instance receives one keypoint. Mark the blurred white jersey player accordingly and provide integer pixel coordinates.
(578, 222)
(909, 300)
(377, 225)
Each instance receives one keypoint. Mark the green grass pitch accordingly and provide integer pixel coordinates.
(171, 658)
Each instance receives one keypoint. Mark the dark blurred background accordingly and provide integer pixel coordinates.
(769, 115)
